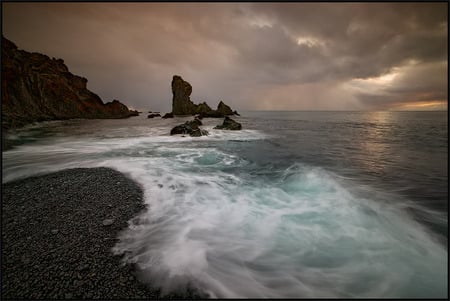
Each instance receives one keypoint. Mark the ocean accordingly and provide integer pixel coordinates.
(297, 204)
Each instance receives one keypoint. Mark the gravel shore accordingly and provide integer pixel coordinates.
(57, 236)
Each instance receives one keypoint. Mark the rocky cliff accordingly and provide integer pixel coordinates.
(37, 88)
(182, 104)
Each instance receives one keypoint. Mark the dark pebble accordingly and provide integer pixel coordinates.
(80, 263)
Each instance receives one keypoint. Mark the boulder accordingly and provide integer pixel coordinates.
(181, 129)
(168, 115)
(229, 124)
(189, 127)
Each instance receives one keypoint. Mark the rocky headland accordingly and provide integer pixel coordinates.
(38, 88)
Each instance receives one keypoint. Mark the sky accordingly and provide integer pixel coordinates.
(253, 56)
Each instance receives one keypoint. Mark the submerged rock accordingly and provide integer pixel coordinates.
(229, 124)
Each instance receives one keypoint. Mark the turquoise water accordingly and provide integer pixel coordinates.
(298, 204)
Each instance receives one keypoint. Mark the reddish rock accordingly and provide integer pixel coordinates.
(37, 88)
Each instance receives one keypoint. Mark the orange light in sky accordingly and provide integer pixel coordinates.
(432, 105)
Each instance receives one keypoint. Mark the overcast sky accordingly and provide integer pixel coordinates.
(253, 56)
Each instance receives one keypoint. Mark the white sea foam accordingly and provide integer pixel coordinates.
(304, 236)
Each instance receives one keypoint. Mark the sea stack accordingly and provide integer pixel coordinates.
(182, 104)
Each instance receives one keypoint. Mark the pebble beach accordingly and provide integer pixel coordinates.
(58, 231)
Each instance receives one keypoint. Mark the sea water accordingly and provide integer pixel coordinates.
(297, 204)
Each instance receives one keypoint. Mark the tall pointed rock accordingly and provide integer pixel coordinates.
(181, 102)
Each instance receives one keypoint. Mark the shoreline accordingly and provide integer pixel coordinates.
(56, 244)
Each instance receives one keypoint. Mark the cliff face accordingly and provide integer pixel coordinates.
(37, 88)
(182, 104)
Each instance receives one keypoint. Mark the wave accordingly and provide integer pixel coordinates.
(302, 235)
(213, 223)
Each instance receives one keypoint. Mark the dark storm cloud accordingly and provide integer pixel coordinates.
(364, 40)
(251, 55)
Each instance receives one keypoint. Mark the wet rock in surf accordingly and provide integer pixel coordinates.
(189, 127)
(198, 132)
(229, 124)
(195, 123)
(168, 115)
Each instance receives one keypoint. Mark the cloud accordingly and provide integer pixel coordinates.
(404, 85)
(251, 55)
